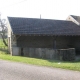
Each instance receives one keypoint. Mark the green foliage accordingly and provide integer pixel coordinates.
(42, 62)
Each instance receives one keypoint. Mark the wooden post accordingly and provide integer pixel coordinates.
(22, 54)
(54, 47)
(54, 44)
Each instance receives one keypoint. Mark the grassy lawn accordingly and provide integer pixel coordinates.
(42, 62)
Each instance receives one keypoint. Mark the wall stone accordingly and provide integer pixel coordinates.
(38, 52)
(47, 53)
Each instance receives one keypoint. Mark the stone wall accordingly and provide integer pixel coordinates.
(47, 53)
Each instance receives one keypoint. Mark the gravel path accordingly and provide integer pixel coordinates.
(20, 71)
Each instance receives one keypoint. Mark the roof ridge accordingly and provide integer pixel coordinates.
(37, 19)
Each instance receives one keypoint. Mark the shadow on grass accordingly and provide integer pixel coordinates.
(57, 61)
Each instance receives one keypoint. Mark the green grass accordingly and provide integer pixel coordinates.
(1, 42)
(42, 62)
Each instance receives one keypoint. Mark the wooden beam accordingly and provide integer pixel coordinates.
(54, 45)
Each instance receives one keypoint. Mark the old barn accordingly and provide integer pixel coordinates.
(30, 36)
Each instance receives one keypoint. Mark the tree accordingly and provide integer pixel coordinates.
(3, 29)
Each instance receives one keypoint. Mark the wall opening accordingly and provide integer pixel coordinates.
(22, 53)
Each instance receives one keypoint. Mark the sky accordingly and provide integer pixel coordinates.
(48, 9)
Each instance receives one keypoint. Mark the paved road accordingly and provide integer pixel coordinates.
(20, 71)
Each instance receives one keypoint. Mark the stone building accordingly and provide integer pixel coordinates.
(26, 34)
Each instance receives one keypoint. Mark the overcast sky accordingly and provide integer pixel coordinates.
(50, 9)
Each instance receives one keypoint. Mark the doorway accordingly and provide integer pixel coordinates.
(22, 53)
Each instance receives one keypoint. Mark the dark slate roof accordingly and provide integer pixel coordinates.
(77, 18)
(30, 26)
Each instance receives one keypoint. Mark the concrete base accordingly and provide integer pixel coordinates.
(46, 53)
(15, 51)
